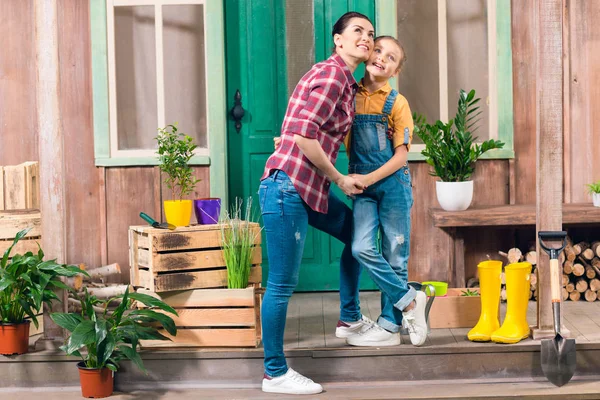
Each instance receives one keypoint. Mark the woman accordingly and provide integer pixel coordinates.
(295, 192)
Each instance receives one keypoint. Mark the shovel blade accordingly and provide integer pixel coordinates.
(558, 359)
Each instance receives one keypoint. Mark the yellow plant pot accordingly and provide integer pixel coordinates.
(178, 212)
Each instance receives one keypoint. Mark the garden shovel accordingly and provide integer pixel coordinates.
(156, 224)
(558, 354)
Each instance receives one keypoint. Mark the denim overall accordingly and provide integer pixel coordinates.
(384, 206)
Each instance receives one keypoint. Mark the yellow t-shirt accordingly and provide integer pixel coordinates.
(400, 120)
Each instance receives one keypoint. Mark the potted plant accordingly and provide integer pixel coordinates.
(239, 236)
(450, 150)
(175, 150)
(26, 283)
(594, 190)
(111, 336)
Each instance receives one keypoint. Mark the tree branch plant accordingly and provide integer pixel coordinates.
(175, 150)
(27, 282)
(450, 147)
(111, 336)
(239, 237)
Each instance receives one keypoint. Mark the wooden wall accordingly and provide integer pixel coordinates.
(103, 202)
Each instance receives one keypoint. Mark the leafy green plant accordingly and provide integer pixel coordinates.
(593, 187)
(469, 293)
(238, 237)
(449, 147)
(175, 150)
(27, 282)
(111, 336)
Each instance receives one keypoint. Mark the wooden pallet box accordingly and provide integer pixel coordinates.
(185, 258)
(13, 221)
(213, 318)
(455, 310)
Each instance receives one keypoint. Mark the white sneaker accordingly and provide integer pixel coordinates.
(290, 383)
(415, 320)
(375, 336)
(344, 330)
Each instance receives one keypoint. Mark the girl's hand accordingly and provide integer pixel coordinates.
(365, 180)
(276, 142)
(350, 186)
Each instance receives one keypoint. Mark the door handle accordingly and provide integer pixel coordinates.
(237, 112)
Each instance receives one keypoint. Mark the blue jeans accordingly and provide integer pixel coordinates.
(386, 205)
(285, 219)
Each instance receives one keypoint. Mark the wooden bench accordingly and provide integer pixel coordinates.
(501, 216)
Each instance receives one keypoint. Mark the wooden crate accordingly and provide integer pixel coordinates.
(13, 221)
(454, 310)
(186, 258)
(19, 186)
(213, 318)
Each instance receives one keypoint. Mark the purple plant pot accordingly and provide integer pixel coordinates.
(207, 210)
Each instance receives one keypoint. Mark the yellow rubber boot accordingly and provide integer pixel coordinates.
(489, 291)
(515, 327)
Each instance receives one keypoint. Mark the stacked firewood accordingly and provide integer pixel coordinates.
(96, 284)
(580, 265)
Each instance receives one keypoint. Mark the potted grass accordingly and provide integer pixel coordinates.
(451, 150)
(239, 233)
(102, 338)
(175, 150)
(594, 190)
(27, 281)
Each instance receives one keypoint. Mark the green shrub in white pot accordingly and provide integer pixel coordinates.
(451, 150)
(594, 189)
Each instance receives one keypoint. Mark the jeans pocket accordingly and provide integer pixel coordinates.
(403, 176)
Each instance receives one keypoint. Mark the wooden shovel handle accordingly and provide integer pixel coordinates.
(554, 281)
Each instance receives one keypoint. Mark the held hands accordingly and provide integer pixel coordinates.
(276, 142)
(364, 180)
(350, 186)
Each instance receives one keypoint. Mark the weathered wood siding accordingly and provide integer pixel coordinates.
(103, 202)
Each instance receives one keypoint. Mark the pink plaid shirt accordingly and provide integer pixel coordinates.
(322, 108)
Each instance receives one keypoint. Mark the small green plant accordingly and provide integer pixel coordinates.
(469, 293)
(239, 236)
(449, 147)
(111, 336)
(175, 150)
(593, 187)
(27, 282)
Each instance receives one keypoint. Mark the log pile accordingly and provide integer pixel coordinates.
(96, 284)
(580, 263)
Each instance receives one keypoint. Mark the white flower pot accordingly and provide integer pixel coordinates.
(454, 196)
(596, 199)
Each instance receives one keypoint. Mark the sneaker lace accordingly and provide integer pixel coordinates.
(367, 320)
(301, 379)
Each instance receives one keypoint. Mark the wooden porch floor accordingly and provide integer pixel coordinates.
(312, 318)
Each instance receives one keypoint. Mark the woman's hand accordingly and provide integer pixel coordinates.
(365, 180)
(350, 186)
(276, 142)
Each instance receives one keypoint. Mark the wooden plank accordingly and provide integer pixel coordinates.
(312, 331)
(162, 262)
(549, 141)
(1, 188)
(199, 280)
(291, 335)
(202, 317)
(15, 187)
(32, 185)
(11, 222)
(210, 298)
(22, 247)
(566, 83)
(510, 215)
(206, 337)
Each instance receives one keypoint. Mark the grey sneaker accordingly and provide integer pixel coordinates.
(415, 320)
(290, 383)
(344, 330)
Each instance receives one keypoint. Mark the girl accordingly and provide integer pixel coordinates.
(381, 136)
(295, 191)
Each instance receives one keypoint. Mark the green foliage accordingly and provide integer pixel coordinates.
(469, 293)
(175, 150)
(593, 187)
(27, 282)
(238, 243)
(449, 147)
(111, 336)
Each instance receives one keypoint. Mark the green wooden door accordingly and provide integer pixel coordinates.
(269, 46)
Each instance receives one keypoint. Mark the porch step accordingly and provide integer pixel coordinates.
(243, 368)
(415, 390)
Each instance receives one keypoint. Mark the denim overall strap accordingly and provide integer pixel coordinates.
(389, 102)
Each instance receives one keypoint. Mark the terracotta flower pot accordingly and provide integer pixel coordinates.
(95, 383)
(14, 338)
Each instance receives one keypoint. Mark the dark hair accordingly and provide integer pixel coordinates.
(342, 23)
(393, 39)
